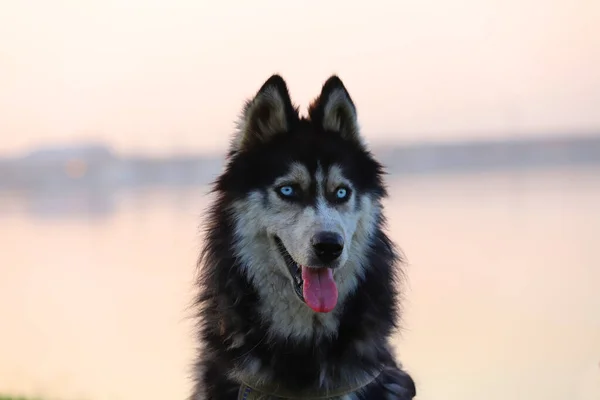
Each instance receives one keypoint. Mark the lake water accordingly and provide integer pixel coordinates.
(502, 299)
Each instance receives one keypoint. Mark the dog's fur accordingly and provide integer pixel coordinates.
(253, 325)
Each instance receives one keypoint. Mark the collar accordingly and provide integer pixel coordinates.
(271, 392)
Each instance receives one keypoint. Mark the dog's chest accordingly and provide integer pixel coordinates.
(247, 393)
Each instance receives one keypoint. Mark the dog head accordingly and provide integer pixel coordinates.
(305, 196)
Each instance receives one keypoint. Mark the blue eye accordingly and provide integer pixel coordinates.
(341, 193)
(287, 191)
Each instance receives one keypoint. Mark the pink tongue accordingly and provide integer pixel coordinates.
(320, 291)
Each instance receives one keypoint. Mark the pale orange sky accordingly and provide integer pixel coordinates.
(172, 75)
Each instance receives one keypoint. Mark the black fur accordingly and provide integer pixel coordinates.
(228, 303)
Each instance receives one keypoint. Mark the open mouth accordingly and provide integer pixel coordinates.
(314, 286)
(294, 268)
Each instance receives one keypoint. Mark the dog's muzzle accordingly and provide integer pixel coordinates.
(314, 285)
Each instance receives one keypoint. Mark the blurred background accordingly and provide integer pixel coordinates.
(116, 115)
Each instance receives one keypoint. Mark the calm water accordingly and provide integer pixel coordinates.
(503, 297)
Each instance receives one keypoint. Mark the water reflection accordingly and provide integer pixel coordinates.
(502, 299)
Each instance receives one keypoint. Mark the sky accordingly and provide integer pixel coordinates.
(159, 77)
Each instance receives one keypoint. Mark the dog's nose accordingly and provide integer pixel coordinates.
(327, 245)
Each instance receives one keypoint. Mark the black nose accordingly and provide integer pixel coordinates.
(327, 246)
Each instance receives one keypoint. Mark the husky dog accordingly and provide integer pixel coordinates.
(298, 281)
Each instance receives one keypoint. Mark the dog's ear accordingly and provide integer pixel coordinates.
(269, 113)
(334, 110)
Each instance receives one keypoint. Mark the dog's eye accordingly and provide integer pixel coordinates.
(287, 191)
(342, 193)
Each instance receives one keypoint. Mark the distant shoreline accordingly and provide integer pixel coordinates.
(97, 167)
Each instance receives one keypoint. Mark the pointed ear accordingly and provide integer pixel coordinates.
(269, 113)
(334, 110)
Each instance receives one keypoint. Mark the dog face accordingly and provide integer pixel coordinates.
(304, 197)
